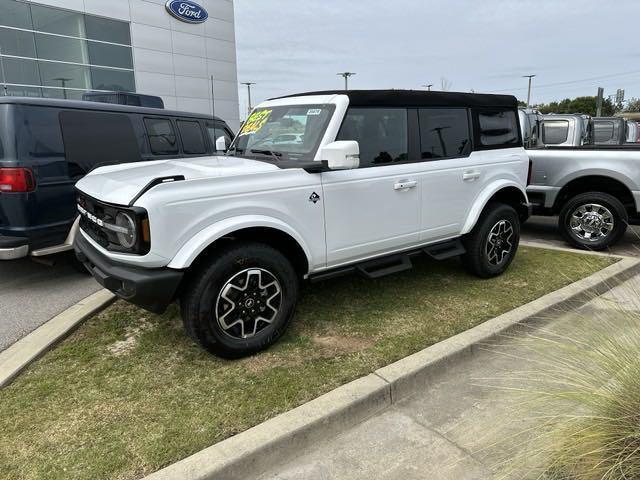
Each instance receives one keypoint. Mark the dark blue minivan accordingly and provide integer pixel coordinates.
(47, 145)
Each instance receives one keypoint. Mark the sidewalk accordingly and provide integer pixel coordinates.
(449, 430)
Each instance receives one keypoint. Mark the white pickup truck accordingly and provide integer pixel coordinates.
(368, 179)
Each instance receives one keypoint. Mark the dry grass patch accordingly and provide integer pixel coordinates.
(129, 392)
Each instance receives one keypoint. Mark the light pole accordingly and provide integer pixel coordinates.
(63, 81)
(248, 84)
(428, 87)
(346, 76)
(4, 78)
(529, 91)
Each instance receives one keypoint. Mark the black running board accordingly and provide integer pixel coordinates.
(443, 251)
(395, 263)
(381, 267)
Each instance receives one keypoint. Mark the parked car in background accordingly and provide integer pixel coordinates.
(47, 145)
(609, 130)
(565, 130)
(593, 188)
(633, 132)
(530, 125)
(379, 176)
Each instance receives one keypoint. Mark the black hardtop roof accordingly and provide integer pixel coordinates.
(417, 98)
(100, 106)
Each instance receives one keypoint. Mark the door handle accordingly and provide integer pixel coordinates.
(405, 185)
(470, 176)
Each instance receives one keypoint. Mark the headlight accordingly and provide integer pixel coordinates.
(128, 235)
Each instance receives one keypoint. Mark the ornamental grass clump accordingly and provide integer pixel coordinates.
(578, 406)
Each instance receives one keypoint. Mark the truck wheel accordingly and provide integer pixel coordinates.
(241, 301)
(593, 220)
(493, 243)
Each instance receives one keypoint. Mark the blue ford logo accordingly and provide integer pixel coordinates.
(189, 12)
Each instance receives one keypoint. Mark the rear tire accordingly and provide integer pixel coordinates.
(240, 301)
(593, 221)
(493, 243)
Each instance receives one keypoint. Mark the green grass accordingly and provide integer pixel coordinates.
(129, 393)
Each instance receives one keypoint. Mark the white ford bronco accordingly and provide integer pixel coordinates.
(313, 186)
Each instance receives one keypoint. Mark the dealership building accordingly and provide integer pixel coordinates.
(172, 49)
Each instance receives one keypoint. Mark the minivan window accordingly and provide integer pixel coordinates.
(444, 133)
(380, 132)
(162, 137)
(555, 132)
(192, 139)
(94, 139)
(216, 132)
(498, 128)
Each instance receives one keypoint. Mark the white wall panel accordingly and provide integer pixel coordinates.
(149, 14)
(187, 44)
(152, 38)
(152, 61)
(118, 9)
(221, 50)
(192, 87)
(155, 83)
(190, 66)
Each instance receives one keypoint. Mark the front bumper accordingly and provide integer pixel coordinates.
(12, 248)
(150, 288)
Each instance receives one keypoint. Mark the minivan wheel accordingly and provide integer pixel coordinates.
(593, 220)
(240, 301)
(493, 243)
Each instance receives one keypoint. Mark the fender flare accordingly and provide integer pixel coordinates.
(187, 254)
(483, 198)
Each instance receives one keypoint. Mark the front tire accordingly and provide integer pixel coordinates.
(492, 244)
(593, 220)
(241, 301)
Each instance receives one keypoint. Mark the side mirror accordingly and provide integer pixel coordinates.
(221, 144)
(341, 155)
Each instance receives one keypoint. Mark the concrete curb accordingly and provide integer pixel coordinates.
(534, 244)
(22, 353)
(279, 439)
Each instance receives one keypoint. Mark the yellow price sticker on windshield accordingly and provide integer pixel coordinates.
(255, 122)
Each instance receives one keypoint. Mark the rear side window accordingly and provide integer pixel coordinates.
(555, 132)
(94, 139)
(498, 128)
(192, 139)
(381, 133)
(444, 133)
(162, 137)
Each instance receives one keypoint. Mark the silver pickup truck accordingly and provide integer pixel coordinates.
(594, 189)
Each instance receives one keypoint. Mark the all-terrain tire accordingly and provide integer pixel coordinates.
(492, 244)
(600, 207)
(240, 300)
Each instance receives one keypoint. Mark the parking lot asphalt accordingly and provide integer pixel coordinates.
(545, 230)
(32, 293)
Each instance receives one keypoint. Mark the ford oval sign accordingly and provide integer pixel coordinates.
(189, 12)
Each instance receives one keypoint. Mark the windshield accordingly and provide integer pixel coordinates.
(290, 132)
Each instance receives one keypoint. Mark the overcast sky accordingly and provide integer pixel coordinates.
(289, 46)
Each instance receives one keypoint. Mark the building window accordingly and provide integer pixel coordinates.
(60, 53)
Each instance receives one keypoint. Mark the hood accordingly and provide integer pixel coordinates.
(120, 184)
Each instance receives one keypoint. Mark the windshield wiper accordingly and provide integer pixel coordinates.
(275, 155)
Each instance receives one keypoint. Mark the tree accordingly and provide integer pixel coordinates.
(586, 105)
(633, 105)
